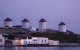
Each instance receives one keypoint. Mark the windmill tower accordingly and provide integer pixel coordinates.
(8, 22)
(25, 23)
(42, 25)
(62, 27)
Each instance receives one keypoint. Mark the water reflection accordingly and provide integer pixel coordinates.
(15, 48)
(20, 48)
(31, 48)
(48, 48)
(9, 48)
(39, 48)
(1, 48)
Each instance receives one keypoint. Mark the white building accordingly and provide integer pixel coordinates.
(34, 40)
(62, 27)
(31, 28)
(41, 40)
(25, 24)
(53, 42)
(8, 22)
(42, 25)
(37, 40)
(2, 40)
(18, 42)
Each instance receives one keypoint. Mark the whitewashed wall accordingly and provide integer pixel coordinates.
(53, 42)
(25, 25)
(2, 42)
(18, 42)
(8, 23)
(42, 26)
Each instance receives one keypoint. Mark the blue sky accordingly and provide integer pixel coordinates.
(54, 11)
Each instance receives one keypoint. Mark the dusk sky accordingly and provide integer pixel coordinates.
(54, 11)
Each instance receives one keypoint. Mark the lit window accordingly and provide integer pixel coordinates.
(42, 41)
(45, 40)
(35, 40)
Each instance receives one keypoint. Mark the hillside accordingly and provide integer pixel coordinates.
(62, 37)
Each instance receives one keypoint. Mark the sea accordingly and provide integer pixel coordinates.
(40, 48)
